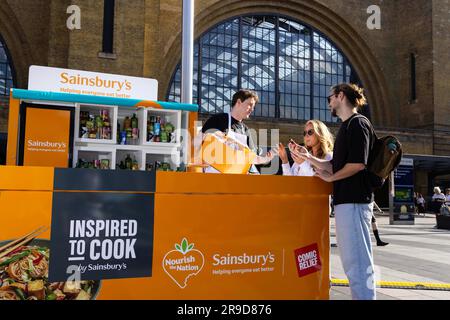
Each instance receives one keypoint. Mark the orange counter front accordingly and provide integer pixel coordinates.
(214, 236)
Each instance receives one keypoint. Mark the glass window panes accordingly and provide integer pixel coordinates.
(6, 75)
(290, 65)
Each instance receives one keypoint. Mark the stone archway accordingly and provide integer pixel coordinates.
(309, 12)
(18, 47)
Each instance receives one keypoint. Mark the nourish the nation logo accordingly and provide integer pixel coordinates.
(183, 263)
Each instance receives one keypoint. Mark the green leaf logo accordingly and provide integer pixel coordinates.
(184, 247)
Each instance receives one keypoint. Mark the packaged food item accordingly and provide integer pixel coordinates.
(163, 136)
(104, 164)
(166, 166)
(135, 165)
(135, 135)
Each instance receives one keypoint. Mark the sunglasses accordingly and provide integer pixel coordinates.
(329, 97)
(310, 132)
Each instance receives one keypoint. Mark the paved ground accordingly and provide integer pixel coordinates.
(416, 253)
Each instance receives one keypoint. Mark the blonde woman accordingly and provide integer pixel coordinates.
(318, 141)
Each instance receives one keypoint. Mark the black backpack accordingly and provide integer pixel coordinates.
(384, 157)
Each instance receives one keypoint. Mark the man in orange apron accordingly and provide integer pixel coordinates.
(231, 124)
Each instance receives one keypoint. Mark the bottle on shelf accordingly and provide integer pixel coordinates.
(129, 135)
(150, 129)
(98, 123)
(134, 121)
(128, 162)
(126, 123)
(157, 129)
(134, 129)
(84, 118)
(104, 114)
(118, 139)
(123, 137)
(90, 126)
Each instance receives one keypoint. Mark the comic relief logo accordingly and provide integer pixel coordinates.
(183, 262)
(307, 260)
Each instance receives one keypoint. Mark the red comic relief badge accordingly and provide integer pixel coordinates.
(307, 260)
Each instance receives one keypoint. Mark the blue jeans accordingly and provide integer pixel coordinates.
(355, 247)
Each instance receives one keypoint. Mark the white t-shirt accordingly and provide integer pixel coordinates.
(420, 200)
(447, 197)
(305, 169)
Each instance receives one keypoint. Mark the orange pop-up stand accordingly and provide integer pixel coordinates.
(246, 237)
(172, 235)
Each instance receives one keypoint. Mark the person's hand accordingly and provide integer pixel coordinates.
(297, 158)
(282, 153)
(270, 155)
(301, 152)
(324, 175)
(292, 145)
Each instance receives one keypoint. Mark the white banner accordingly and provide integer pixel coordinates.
(91, 83)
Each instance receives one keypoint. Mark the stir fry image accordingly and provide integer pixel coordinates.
(24, 276)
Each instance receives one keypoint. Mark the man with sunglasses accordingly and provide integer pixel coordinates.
(352, 191)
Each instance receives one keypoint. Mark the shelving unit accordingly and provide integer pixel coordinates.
(168, 116)
(151, 156)
(145, 152)
(90, 154)
(95, 110)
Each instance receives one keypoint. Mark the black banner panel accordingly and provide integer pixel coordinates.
(99, 235)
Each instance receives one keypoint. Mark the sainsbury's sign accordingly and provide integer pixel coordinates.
(91, 83)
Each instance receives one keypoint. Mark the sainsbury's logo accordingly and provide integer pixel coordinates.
(46, 144)
(261, 259)
(95, 82)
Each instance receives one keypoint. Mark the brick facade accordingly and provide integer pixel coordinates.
(147, 42)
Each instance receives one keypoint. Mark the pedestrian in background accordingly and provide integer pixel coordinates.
(437, 199)
(420, 203)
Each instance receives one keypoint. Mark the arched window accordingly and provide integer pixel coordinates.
(6, 71)
(290, 65)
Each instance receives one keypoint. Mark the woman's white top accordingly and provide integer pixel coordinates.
(304, 169)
